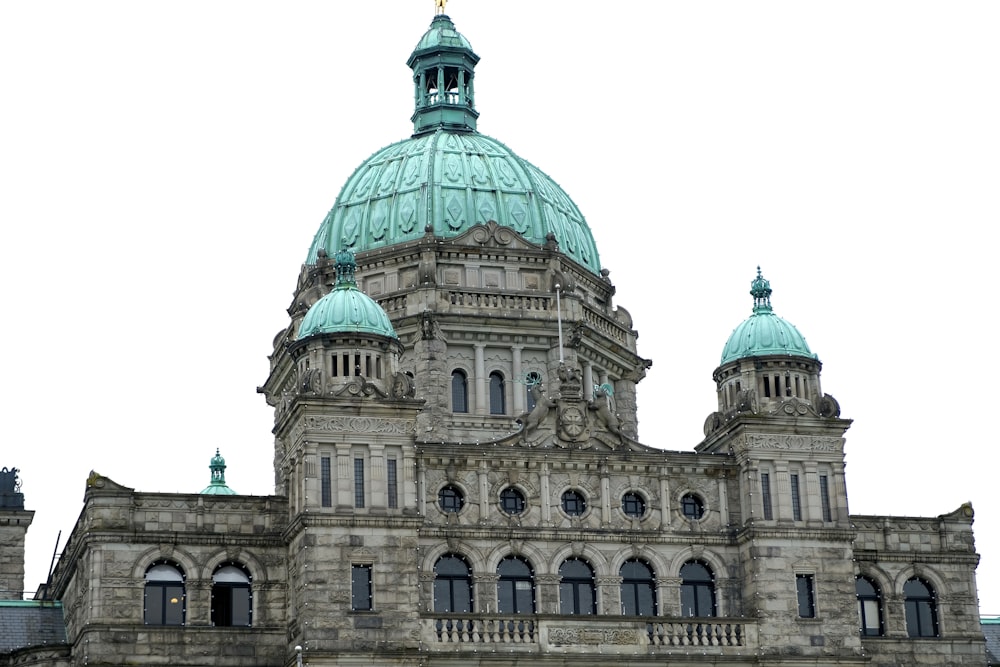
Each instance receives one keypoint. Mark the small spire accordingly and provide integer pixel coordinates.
(345, 268)
(760, 289)
(218, 485)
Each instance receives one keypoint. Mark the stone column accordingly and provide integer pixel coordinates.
(484, 490)
(517, 391)
(485, 586)
(344, 483)
(547, 593)
(782, 500)
(588, 380)
(668, 593)
(481, 382)
(377, 487)
(545, 499)
(723, 501)
(609, 595)
(813, 502)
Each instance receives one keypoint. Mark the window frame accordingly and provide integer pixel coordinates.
(577, 592)
(514, 494)
(450, 499)
(362, 592)
(691, 499)
(459, 391)
(805, 594)
(163, 588)
(498, 393)
(865, 602)
(518, 583)
(573, 503)
(631, 586)
(918, 609)
(447, 584)
(694, 591)
(631, 499)
(224, 596)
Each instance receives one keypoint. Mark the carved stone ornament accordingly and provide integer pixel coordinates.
(402, 386)
(804, 443)
(573, 423)
(361, 425)
(828, 407)
(592, 636)
(361, 386)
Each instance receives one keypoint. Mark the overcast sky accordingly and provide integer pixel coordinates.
(164, 166)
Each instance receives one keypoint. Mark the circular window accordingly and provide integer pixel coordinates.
(692, 507)
(573, 503)
(633, 505)
(450, 499)
(511, 501)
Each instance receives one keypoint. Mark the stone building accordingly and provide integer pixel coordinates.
(459, 478)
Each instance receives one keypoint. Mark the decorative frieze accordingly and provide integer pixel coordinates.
(802, 443)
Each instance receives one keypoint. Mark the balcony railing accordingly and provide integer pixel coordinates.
(459, 632)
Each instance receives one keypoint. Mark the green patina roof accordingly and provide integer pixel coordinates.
(448, 177)
(764, 333)
(346, 309)
(442, 33)
(218, 486)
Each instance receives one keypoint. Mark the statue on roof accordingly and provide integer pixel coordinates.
(439, 6)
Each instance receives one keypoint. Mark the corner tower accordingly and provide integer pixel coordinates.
(787, 439)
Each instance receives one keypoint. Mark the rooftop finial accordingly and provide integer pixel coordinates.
(760, 289)
(439, 6)
(345, 268)
(218, 485)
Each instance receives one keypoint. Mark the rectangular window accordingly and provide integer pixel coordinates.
(326, 482)
(359, 482)
(796, 502)
(765, 492)
(824, 497)
(767, 387)
(361, 588)
(391, 483)
(804, 590)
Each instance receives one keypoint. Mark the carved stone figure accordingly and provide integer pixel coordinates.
(402, 386)
(541, 410)
(601, 404)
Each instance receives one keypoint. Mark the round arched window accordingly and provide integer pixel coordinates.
(692, 506)
(573, 502)
(450, 499)
(633, 505)
(511, 501)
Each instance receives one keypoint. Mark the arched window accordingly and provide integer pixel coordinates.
(633, 505)
(498, 402)
(869, 607)
(638, 589)
(515, 587)
(452, 585)
(232, 601)
(450, 499)
(573, 502)
(921, 608)
(512, 501)
(459, 391)
(692, 507)
(697, 590)
(164, 597)
(577, 594)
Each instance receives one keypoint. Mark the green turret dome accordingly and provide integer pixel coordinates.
(764, 333)
(448, 177)
(346, 309)
(218, 486)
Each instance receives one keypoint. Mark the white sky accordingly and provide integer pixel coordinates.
(164, 166)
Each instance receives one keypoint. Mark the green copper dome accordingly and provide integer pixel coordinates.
(218, 486)
(448, 177)
(346, 309)
(764, 333)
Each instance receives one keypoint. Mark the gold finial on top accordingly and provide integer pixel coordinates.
(439, 6)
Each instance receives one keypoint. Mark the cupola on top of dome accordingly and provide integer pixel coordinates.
(764, 333)
(346, 309)
(447, 177)
(218, 486)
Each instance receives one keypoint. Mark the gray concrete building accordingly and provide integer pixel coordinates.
(460, 480)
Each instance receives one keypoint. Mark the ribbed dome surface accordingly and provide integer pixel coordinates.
(764, 333)
(451, 181)
(442, 33)
(346, 309)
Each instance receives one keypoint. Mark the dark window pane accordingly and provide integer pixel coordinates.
(638, 589)
(359, 483)
(515, 588)
(804, 590)
(391, 484)
(459, 392)
(512, 501)
(326, 482)
(576, 588)
(697, 590)
(765, 492)
(498, 401)
(824, 497)
(920, 609)
(573, 503)
(173, 605)
(692, 507)
(633, 505)
(450, 499)
(452, 585)
(796, 501)
(361, 587)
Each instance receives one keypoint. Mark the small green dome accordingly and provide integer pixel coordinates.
(764, 333)
(218, 486)
(346, 309)
(448, 177)
(442, 33)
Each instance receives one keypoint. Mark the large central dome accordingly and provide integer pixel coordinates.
(448, 177)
